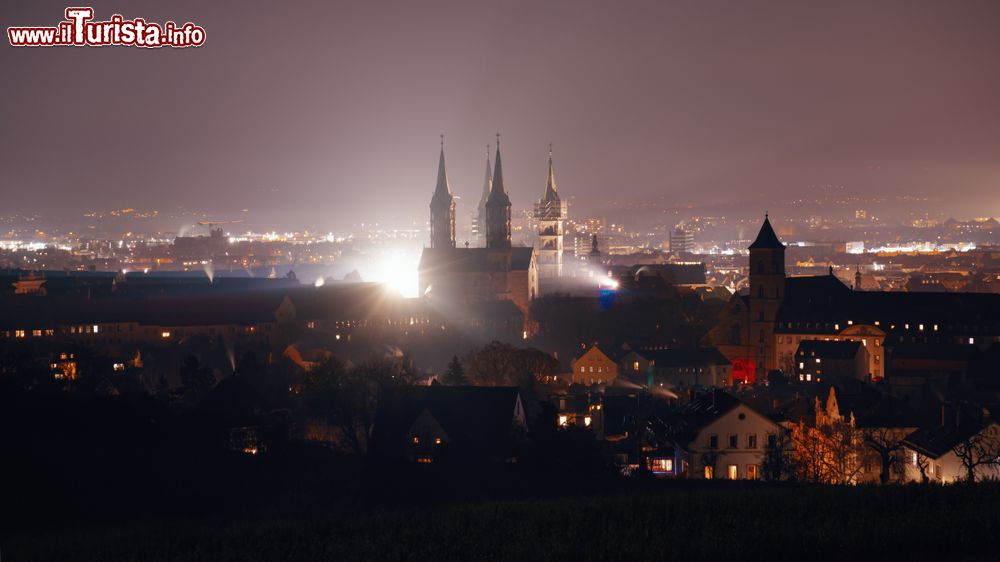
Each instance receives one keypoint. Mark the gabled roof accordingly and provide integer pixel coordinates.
(708, 407)
(766, 238)
(829, 349)
(474, 417)
(937, 441)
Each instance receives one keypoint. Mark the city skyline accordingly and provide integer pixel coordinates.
(338, 113)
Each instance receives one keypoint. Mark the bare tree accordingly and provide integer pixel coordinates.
(887, 443)
(981, 450)
(778, 463)
(923, 463)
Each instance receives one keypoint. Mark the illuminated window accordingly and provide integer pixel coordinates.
(36, 333)
(809, 377)
(583, 369)
(562, 420)
(165, 334)
(972, 341)
(802, 365)
(416, 440)
(425, 460)
(18, 333)
(920, 327)
(660, 466)
(817, 360)
(586, 421)
(96, 328)
(437, 440)
(635, 365)
(751, 472)
(732, 472)
(311, 324)
(709, 472)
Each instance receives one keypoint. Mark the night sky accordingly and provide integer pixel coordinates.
(327, 113)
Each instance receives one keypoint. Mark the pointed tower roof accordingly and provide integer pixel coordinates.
(550, 195)
(766, 238)
(498, 193)
(442, 191)
(487, 181)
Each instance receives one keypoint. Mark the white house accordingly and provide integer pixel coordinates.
(727, 439)
(937, 453)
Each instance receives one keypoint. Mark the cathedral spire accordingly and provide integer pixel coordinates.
(442, 208)
(442, 179)
(498, 208)
(487, 180)
(550, 195)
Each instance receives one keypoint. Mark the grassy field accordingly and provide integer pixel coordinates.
(653, 521)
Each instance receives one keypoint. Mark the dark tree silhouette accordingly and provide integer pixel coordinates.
(455, 374)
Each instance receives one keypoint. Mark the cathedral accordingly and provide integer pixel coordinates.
(457, 278)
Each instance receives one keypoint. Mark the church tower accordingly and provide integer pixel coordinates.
(442, 209)
(550, 212)
(479, 221)
(767, 290)
(497, 208)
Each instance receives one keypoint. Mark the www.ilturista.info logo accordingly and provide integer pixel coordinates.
(79, 31)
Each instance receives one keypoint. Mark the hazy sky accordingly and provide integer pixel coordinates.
(330, 111)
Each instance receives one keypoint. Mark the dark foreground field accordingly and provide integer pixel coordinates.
(651, 521)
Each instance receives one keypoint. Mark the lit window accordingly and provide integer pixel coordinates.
(96, 328)
(586, 421)
(850, 322)
(802, 365)
(920, 327)
(437, 440)
(809, 377)
(18, 333)
(751, 472)
(709, 472)
(36, 333)
(563, 419)
(732, 471)
(416, 440)
(635, 365)
(165, 334)
(425, 460)
(972, 341)
(661, 466)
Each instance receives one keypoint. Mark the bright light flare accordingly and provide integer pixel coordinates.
(397, 270)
